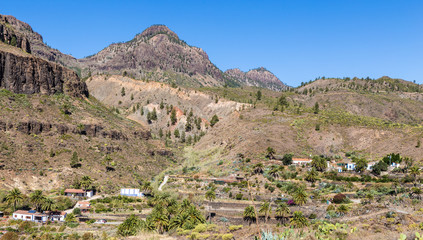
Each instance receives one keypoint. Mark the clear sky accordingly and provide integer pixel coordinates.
(297, 40)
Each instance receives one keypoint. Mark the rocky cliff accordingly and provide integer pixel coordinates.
(23, 73)
(37, 46)
(9, 36)
(259, 77)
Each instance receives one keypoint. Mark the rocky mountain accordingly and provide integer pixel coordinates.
(157, 54)
(37, 45)
(259, 77)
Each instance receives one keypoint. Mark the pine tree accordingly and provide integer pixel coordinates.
(173, 118)
(316, 108)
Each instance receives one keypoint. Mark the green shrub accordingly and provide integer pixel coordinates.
(227, 236)
(200, 228)
(235, 227)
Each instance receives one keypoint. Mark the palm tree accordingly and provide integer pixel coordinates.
(48, 205)
(282, 211)
(270, 152)
(161, 221)
(265, 209)
(312, 175)
(146, 187)
(415, 171)
(131, 226)
(342, 209)
(274, 172)
(258, 168)
(70, 217)
(249, 214)
(86, 182)
(14, 196)
(210, 195)
(37, 198)
(195, 215)
(298, 220)
(300, 195)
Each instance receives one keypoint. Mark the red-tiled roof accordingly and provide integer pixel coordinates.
(74, 191)
(301, 160)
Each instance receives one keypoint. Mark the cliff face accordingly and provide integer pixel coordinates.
(9, 36)
(23, 73)
(259, 77)
(37, 46)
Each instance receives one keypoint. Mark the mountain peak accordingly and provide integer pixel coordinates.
(158, 29)
(258, 77)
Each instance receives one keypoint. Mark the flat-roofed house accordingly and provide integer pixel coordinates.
(131, 192)
(301, 161)
(35, 216)
(78, 193)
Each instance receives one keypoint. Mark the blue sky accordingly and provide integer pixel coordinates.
(297, 40)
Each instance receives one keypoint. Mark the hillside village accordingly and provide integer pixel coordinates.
(191, 152)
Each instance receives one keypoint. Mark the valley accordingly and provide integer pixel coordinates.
(148, 139)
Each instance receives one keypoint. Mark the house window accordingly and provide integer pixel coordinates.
(28, 217)
(16, 216)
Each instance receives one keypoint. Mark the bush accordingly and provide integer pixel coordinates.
(339, 198)
(238, 196)
(235, 227)
(10, 236)
(76, 211)
(200, 228)
(62, 228)
(227, 236)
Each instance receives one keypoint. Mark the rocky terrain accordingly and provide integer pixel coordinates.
(23, 73)
(153, 54)
(37, 45)
(259, 77)
(135, 98)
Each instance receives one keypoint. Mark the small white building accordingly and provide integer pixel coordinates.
(350, 166)
(35, 216)
(301, 161)
(74, 193)
(131, 192)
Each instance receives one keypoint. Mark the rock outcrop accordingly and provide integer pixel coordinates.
(37, 46)
(24, 73)
(259, 77)
(9, 36)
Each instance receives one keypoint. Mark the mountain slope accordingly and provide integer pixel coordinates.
(259, 77)
(157, 54)
(52, 132)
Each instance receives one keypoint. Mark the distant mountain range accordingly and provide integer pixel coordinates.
(156, 54)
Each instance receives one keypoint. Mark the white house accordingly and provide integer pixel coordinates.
(350, 166)
(79, 193)
(131, 192)
(35, 216)
(301, 161)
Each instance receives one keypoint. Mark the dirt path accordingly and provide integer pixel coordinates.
(164, 182)
(374, 214)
